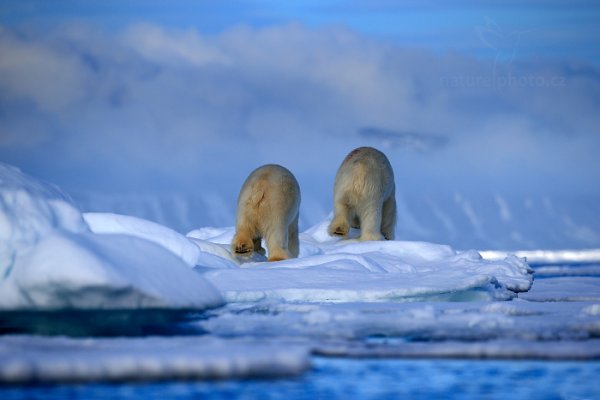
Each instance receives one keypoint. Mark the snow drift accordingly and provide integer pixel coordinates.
(50, 260)
(179, 245)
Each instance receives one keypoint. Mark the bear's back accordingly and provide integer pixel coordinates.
(270, 185)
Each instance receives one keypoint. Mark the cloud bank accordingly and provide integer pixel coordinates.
(150, 109)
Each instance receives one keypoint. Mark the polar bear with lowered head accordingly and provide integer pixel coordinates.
(365, 196)
(268, 206)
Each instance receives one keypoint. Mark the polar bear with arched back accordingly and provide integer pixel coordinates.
(365, 196)
(268, 207)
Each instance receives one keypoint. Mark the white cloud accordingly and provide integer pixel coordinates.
(177, 104)
(186, 48)
(51, 78)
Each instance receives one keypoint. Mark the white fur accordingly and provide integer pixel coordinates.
(268, 207)
(365, 196)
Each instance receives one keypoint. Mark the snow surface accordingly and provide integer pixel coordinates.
(29, 210)
(50, 259)
(334, 270)
(88, 271)
(178, 244)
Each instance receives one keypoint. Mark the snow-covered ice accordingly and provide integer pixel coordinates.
(26, 359)
(107, 223)
(338, 298)
(50, 260)
(348, 327)
(336, 270)
(416, 320)
(549, 256)
(497, 349)
(29, 210)
(88, 271)
(573, 288)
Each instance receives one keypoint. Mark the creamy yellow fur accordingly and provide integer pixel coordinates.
(268, 207)
(365, 196)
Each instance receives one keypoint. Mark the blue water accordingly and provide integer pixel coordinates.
(337, 378)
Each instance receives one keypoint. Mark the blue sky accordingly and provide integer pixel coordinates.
(543, 28)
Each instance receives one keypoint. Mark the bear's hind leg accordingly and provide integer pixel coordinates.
(370, 219)
(340, 225)
(242, 243)
(277, 243)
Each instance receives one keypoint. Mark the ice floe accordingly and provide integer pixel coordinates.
(433, 321)
(30, 359)
(573, 288)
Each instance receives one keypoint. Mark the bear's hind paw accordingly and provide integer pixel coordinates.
(339, 231)
(243, 249)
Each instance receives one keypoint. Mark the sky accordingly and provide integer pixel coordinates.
(187, 96)
(554, 28)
